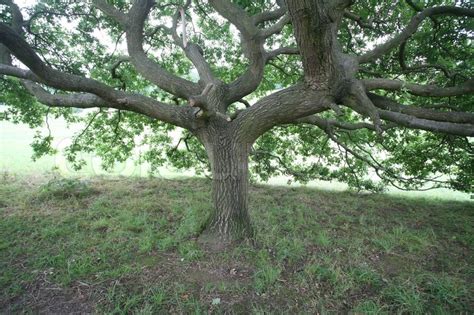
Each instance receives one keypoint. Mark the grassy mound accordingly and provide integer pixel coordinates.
(129, 246)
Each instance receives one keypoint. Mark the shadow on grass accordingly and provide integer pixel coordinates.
(129, 246)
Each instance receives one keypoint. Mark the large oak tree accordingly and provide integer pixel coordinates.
(313, 89)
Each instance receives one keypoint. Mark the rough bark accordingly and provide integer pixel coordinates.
(315, 26)
(315, 33)
(229, 220)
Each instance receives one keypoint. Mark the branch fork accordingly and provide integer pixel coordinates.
(201, 102)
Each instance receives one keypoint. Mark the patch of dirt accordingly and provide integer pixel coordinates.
(44, 297)
(391, 210)
(204, 273)
(9, 211)
(203, 280)
(392, 264)
(232, 277)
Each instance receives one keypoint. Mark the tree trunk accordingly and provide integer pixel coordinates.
(229, 220)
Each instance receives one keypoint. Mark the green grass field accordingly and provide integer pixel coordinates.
(128, 246)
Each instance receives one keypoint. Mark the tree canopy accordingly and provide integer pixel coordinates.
(408, 120)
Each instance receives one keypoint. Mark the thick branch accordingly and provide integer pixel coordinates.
(64, 81)
(399, 119)
(455, 123)
(326, 124)
(411, 28)
(417, 8)
(78, 100)
(357, 100)
(282, 51)
(414, 122)
(420, 90)
(429, 125)
(18, 73)
(423, 113)
(16, 24)
(280, 108)
(193, 51)
(235, 15)
(315, 25)
(411, 118)
(252, 44)
(268, 15)
(146, 66)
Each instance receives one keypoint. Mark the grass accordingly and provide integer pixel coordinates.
(121, 245)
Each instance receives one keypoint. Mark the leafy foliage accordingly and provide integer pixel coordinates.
(77, 38)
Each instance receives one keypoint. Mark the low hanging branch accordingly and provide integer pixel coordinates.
(420, 90)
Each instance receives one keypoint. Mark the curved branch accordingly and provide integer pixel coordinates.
(268, 15)
(411, 28)
(360, 102)
(377, 166)
(16, 24)
(423, 113)
(17, 18)
(418, 89)
(275, 28)
(180, 116)
(235, 15)
(388, 174)
(252, 44)
(354, 17)
(193, 51)
(77, 100)
(420, 68)
(281, 107)
(415, 7)
(111, 11)
(146, 66)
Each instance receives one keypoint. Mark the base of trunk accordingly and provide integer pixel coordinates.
(229, 221)
(223, 233)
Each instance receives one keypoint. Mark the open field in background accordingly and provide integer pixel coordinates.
(129, 245)
(15, 158)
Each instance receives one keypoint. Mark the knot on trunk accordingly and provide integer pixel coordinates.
(344, 76)
(204, 104)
